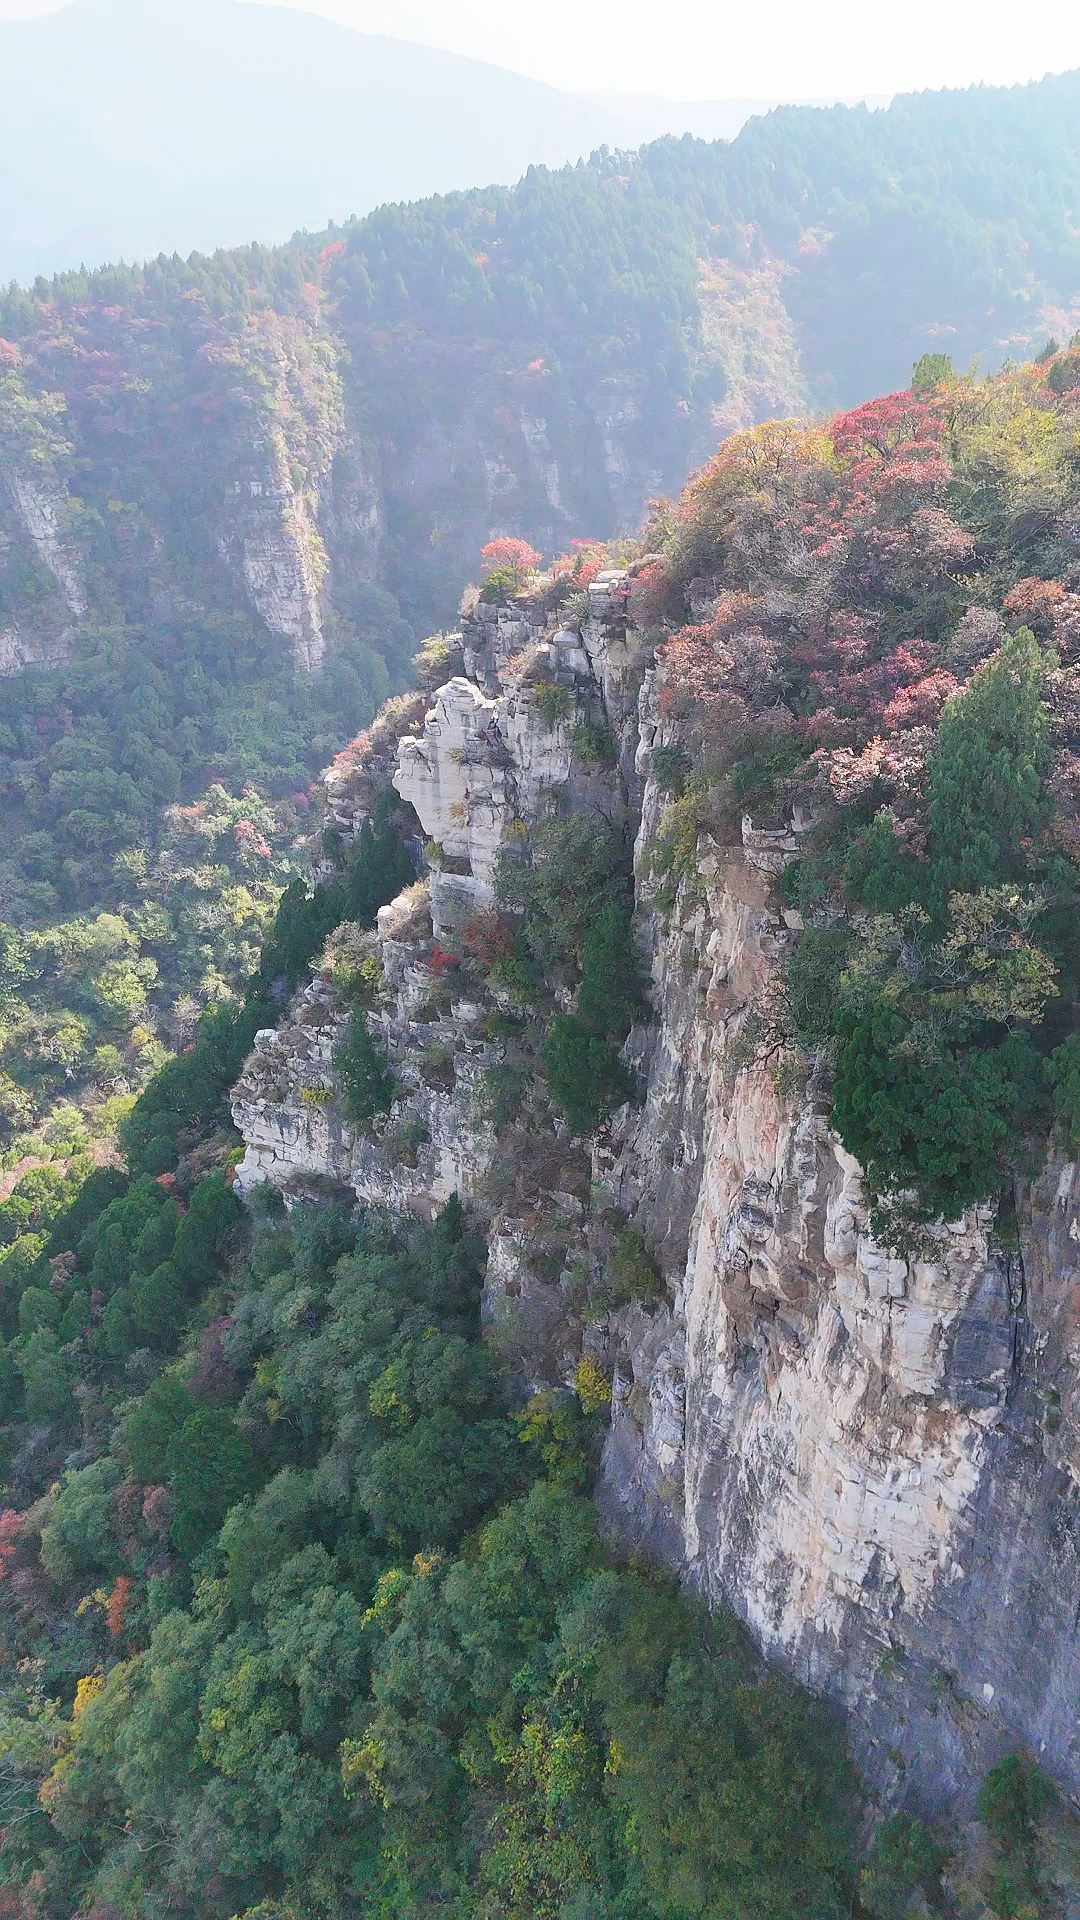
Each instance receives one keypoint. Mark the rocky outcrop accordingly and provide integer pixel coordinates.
(411, 1159)
(41, 509)
(478, 767)
(34, 546)
(41, 648)
(875, 1460)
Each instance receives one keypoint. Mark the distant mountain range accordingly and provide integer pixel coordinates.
(132, 127)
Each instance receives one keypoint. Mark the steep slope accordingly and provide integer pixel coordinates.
(690, 997)
(822, 1253)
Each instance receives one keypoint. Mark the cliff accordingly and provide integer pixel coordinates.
(873, 1458)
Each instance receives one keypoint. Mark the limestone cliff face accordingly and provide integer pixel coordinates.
(34, 540)
(875, 1461)
(477, 767)
(870, 1458)
(251, 471)
(290, 396)
(41, 508)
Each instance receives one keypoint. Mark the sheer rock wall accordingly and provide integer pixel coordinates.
(875, 1461)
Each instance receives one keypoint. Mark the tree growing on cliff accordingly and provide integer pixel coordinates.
(505, 566)
(363, 1068)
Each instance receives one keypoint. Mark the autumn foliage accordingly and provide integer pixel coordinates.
(872, 629)
(117, 1605)
(515, 556)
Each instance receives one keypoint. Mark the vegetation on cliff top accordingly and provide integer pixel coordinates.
(872, 627)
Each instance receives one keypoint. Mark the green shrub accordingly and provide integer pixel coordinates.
(632, 1272)
(989, 805)
(436, 661)
(502, 583)
(47, 1375)
(11, 1387)
(931, 370)
(556, 1427)
(75, 1318)
(410, 1137)
(78, 1536)
(595, 744)
(610, 996)
(555, 703)
(38, 1308)
(936, 1125)
(1014, 1800)
(1063, 1074)
(209, 1466)
(202, 1235)
(22, 1265)
(585, 1074)
(501, 1094)
(559, 879)
(673, 852)
(380, 865)
(156, 1306)
(903, 1870)
(670, 768)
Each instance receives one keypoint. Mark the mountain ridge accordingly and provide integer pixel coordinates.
(273, 121)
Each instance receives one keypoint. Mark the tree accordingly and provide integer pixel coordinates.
(584, 1073)
(989, 808)
(209, 1466)
(363, 1067)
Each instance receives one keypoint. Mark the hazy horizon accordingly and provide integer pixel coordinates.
(130, 128)
(839, 49)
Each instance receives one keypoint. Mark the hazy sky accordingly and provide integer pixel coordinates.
(695, 49)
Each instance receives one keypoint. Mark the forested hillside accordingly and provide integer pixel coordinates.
(543, 357)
